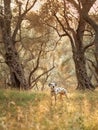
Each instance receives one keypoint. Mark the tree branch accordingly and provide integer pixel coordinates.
(92, 64)
(20, 18)
(66, 16)
(60, 35)
(87, 46)
(90, 21)
(40, 76)
(37, 64)
(66, 32)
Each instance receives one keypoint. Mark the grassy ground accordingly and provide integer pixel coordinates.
(33, 111)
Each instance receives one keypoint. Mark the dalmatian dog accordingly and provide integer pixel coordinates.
(57, 90)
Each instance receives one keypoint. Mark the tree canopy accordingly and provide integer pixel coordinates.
(54, 28)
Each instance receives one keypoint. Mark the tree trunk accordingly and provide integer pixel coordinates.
(11, 55)
(14, 81)
(95, 27)
(96, 47)
(16, 70)
(83, 79)
(81, 71)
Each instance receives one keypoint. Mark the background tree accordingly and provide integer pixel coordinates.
(49, 28)
(61, 14)
(31, 46)
(9, 39)
(92, 21)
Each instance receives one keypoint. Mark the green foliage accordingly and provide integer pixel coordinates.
(20, 98)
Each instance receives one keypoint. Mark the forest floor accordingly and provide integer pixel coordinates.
(33, 111)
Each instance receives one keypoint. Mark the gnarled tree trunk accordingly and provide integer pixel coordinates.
(16, 69)
(11, 55)
(81, 71)
(12, 60)
(83, 79)
(94, 25)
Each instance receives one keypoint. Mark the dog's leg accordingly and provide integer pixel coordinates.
(61, 97)
(55, 98)
(51, 98)
(51, 101)
(66, 95)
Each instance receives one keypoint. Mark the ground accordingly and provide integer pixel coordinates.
(33, 111)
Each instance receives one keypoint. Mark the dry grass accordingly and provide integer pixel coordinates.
(33, 111)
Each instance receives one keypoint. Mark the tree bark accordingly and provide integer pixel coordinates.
(81, 71)
(83, 79)
(11, 55)
(96, 48)
(14, 81)
(95, 27)
(76, 40)
(12, 60)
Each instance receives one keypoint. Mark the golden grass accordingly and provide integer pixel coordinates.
(80, 112)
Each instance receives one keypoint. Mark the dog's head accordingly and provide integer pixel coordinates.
(52, 84)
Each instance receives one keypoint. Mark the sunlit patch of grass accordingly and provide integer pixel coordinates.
(33, 110)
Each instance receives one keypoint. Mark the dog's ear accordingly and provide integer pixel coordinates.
(52, 84)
